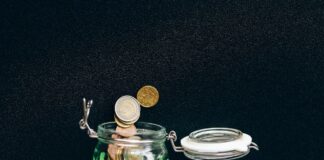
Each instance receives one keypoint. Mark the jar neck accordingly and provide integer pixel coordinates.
(147, 134)
(129, 143)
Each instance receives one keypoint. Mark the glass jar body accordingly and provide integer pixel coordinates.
(147, 143)
(115, 151)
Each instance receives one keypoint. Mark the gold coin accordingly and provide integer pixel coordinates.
(120, 124)
(119, 153)
(148, 96)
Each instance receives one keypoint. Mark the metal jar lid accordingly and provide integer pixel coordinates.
(214, 143)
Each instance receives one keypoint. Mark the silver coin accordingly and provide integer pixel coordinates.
(127, 109)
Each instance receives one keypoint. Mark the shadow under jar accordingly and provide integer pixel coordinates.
(147, 144)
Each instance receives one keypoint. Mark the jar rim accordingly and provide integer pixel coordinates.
(148, 132)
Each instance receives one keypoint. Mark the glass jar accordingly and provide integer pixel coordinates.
(147, 144)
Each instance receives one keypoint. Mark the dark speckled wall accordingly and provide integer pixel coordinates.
(253, 65)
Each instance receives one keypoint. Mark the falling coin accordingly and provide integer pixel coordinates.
(127, 109)
(148, 96)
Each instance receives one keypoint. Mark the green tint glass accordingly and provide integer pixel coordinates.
(148, 144)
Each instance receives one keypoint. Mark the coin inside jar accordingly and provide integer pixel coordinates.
(126, 132)
(148, 96)
(119, 153)
(127, 109)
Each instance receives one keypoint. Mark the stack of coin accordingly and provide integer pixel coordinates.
(127, 111)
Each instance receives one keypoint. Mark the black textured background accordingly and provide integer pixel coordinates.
(252, 65)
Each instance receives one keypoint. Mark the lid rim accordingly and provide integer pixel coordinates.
(216, 140)
(227, 134)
